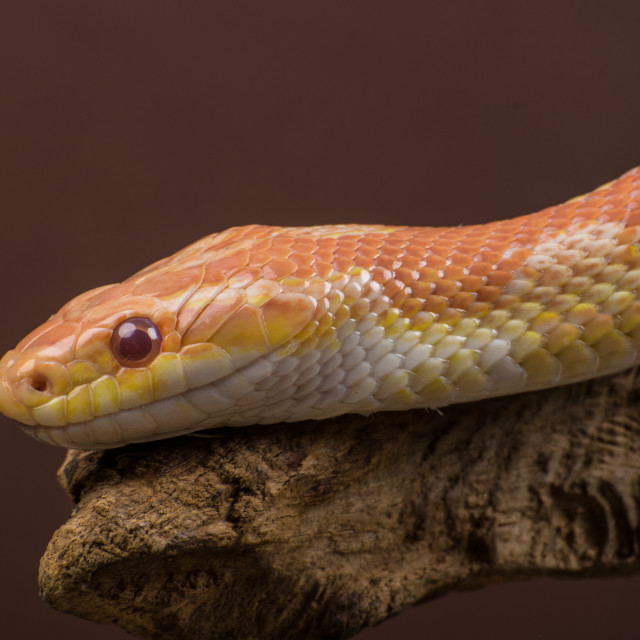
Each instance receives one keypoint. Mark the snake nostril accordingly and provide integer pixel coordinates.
(39, 382)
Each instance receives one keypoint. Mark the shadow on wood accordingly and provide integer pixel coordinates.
(318, 529)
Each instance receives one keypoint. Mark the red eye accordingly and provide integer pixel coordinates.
(135, 342)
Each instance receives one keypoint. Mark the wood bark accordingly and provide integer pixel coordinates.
(319, 529)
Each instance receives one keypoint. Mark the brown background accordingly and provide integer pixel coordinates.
(128, 129)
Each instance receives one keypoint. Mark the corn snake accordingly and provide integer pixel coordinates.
(258, 325)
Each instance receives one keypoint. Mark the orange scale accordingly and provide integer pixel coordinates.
(301, 245)
(461, 259)
(527, 273)
(500, 239)
(422, 289)
(618, 215)
(323, 254)
(77, 307)
(440, 250)
(228, 263)
(412, 262)
(435, 262)
(171, 342)
(450, 316)
(471, 245)
(281, 252)
(341, 264)
(317, 288)
(372, 240)
(280, 241)
(595, 201)
(400, 298)
(278, 268)
(387, 262)
(499, 278)
(55, 343)
(406, 276)
(449, 244)
(327, 243)
(479, 309)
(488, 293)
(446, 288)
(480, 268)
(463, 299)
(519, 254)
(617, 201)
(192, 307)
(303, 259)
(244, 277)
(322, 268)
(535, 222)
(428, 274)
(508, 264)
(347, 243)
(368, 252)
(344, 252)
(215, 281)
(419, 251)
(472, 282)
(391, 254)
(305, 273)
(169, 283)
(166, 323)
(393, 287)
(381, 275)
(453, 272)
(412, 306)
(261, 245)
(106, 314)
(555, 224)
(565, 215)
(490, 256)
(627, 236)
(365, 262)
(496, 250)
(258, 258)
(633, 219)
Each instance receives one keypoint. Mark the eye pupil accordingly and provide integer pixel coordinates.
(135, 342)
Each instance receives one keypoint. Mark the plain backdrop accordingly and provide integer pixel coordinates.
(131, 128)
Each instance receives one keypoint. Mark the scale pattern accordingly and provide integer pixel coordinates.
(267, 324)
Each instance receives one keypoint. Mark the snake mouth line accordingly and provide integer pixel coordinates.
(221, 402)
(59, 436)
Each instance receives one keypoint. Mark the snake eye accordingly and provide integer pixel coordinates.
(135, 342)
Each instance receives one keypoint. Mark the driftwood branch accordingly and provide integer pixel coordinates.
(318, 529)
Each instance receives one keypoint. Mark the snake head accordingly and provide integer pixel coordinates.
(115, 364)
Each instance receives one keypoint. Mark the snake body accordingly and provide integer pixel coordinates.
(258, 325)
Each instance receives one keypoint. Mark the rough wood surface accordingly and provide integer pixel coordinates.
(316, 530)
